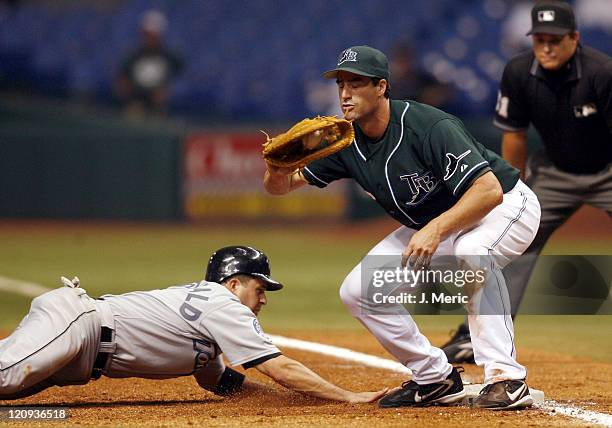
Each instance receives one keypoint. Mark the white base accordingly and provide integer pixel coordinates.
(474, 388)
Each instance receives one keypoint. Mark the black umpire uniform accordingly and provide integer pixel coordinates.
(571, 108)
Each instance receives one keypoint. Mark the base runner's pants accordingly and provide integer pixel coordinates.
(55, 344)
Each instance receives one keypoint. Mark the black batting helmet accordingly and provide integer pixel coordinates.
(235, 260)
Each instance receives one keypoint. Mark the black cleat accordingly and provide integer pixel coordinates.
(459, 348)
(412, 394)
(504, 395)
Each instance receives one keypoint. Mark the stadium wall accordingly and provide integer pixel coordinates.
(58, 162)
(62, 164)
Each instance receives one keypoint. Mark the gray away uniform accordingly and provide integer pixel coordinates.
(178, 331)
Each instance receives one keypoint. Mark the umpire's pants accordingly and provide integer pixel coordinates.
(560, 194)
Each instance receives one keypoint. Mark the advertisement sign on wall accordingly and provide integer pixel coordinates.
(223, 179)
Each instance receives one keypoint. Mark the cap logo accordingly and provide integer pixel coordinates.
(348, 55)
(546, 16)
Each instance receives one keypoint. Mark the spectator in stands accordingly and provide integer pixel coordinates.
(594, 14)
(410, 82)
(515, 26)
(146, 73)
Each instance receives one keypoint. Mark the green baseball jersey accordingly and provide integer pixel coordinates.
(419, 168)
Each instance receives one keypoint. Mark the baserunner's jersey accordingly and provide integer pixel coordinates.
(180, 330)
(419, 168)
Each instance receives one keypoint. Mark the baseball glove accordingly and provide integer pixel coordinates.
(307, 141)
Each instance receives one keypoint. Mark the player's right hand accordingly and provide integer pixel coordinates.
(367, 397)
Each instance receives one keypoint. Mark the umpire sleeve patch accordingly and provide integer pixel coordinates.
(502, 105)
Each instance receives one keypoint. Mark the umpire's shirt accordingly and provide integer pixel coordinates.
(571, 108)
(419, 168)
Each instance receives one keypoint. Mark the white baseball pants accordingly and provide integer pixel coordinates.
(503, 234)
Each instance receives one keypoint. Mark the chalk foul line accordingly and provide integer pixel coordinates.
(23, 288)
(551, 406)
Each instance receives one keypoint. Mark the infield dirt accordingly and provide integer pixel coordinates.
(40, 250)
(180, 402)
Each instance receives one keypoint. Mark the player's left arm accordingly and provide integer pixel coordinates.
(295, 376)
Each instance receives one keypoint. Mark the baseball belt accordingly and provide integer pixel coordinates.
(107, 344)
(106, 339)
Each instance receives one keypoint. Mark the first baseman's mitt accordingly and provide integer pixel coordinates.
(307, 141)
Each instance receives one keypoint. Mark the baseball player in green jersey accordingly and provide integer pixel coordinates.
(453, 197)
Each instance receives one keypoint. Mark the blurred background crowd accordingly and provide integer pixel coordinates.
(261, 60)
(152, 108)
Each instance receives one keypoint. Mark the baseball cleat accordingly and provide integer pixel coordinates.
(412, 394)
(504, 395)
(459, 348)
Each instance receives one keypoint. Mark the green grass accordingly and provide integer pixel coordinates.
(114, 258)
(585, 336)
(13, 308)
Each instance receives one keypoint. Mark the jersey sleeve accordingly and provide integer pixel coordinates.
(511, 112)
(237, 332)
(453, 156)
(323, 171)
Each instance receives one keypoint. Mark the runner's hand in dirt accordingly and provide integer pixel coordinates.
(367, 397)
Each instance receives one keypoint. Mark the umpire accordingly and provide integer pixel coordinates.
(565, 90)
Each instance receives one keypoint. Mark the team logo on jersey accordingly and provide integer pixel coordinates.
(259, 331)
(453, 163)
(347, 55)
(257, 327)
(585, 110)
(420, 186)
(546, 16)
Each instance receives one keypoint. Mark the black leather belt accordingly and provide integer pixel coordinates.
(106, 336)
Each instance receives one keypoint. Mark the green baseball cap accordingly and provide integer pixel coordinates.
(362, 60)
